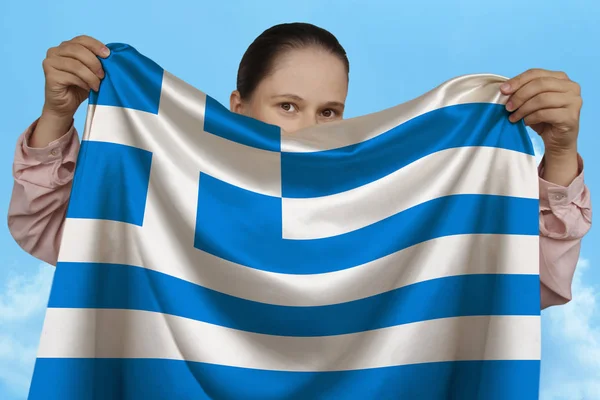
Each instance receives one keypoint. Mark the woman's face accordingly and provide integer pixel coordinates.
(305, 87)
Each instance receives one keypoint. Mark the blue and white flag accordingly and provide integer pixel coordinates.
(207, 255)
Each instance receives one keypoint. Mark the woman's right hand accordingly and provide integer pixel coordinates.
(71, 70)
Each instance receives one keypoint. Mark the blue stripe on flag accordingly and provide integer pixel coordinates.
(91, 285)
(246, 228)
(241, 129)
(110, 182)
(131, 80)
(334, 171)
(157, 379)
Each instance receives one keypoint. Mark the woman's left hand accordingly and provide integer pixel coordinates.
(550, 103)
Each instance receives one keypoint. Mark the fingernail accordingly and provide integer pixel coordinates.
(505, 87)
(100, 73)
(105, 51)
(509, 106)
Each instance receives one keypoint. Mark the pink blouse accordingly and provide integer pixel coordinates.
(42, 188)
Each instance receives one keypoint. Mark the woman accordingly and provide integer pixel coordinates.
(294, 76)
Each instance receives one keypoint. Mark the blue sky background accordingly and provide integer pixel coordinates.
(398, 50)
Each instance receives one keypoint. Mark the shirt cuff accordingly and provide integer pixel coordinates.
(55, 150)
(552, 195)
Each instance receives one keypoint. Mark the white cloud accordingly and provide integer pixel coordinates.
(23, 301)
(16, 363)
(574, 330)
(24, 295)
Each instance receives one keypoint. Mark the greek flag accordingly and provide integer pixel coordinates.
(208, 255)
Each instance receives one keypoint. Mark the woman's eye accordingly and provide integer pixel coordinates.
(288, 107)
(328, 113)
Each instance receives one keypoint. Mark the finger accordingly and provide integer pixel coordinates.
(69, 79)
(94, 45)
(76, 68)
(552, 116)
(83, 54)
(540, 102)
(514, 84)
(538, 86)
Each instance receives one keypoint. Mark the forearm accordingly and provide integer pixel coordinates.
(561, 169)
(49, 128)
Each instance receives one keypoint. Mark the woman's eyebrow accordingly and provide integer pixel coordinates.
(288, 96)
(335, 104)
(300, 99)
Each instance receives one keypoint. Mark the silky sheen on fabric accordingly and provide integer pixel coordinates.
(208, 255)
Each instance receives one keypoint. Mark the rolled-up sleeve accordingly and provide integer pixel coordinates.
(41, 191)
(565, 217)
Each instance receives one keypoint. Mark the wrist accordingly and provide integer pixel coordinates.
(56, 119)
(50, 127)
(561, 167)
(561, 155)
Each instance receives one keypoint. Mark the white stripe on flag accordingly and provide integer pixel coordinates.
(463, 170)
(76, 333)
(157, 250)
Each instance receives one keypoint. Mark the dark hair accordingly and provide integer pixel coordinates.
(258, 59)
